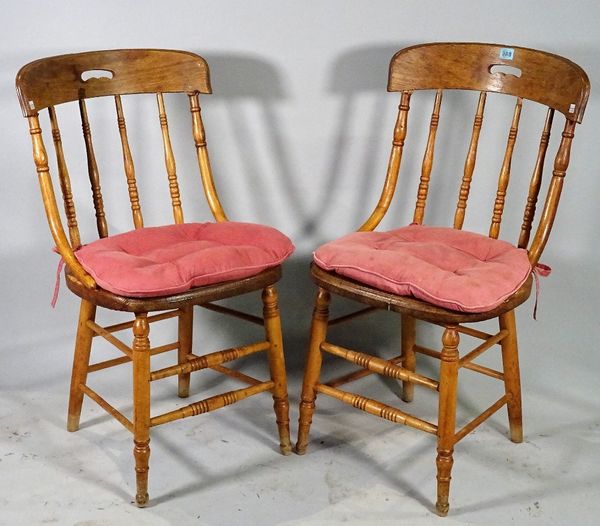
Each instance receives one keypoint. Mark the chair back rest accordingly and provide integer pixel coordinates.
(526, 74)
(48, 82)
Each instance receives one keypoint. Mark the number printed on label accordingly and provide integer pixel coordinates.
(507, 53)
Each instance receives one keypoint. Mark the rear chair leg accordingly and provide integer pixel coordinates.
(81, 361)
(512, 379)
(312, 370)
(277, 367)
(185, 328)
(446, 417)
(409, 360)
(141, 406)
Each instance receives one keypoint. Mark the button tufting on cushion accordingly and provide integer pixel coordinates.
(450, 268)
(158, 261)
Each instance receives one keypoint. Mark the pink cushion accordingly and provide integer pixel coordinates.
(451, 268)
(157, 261)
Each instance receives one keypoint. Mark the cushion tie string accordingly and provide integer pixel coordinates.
(539, 270)
(61, 264)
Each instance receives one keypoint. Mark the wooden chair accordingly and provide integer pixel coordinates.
(48, 82)
(540, 77)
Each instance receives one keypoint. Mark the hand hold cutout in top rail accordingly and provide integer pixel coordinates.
(96, 74)
(505, 70)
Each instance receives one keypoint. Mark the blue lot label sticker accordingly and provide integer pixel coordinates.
(507, 53)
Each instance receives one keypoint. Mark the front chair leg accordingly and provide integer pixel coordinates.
(81, 361)
(312, 370)
(277, 367)
(446, 417)
(512, 378)
(141, 406)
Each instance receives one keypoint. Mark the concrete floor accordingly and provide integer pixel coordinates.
(224, 468)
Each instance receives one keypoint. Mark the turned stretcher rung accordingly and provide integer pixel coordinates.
(480, 419)
(496, 338)
(126, 359)
(468, 331)
(211, 404)
(129, 324)
(120, 417)
(232, 312)
(196, 363)
(357, 375)
(232, 373)
(351, 316)
(101, 331)
(379, 365)
(484, 370)
(376, 408)
(471, 366)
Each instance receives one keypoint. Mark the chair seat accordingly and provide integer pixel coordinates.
(450, 268)
(166, 260)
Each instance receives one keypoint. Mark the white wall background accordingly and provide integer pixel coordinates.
(299, 128)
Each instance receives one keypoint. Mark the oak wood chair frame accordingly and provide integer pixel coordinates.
(48, 82)
(548, 79)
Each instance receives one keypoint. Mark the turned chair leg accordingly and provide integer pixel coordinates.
(512, 378)
(185, 329)
(81, 361)
(141, 406)
(409, 360)
(277, 367)
(446, 417)
(312, 370)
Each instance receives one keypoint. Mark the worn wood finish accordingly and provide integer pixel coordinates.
(427, 164)
(134, 198)
(57, 80)
(504, 178)
(465, 185)
(65, 181)
(543, 78)
(169, 160)
(536, 182)
(312, 370)
(391, 177)
(546, 78)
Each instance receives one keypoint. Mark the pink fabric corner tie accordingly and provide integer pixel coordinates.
(61, 264)
(539, 270)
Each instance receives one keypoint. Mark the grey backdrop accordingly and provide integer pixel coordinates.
(298, 128)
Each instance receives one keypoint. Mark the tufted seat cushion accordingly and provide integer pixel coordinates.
(158, 261)
(450, 268)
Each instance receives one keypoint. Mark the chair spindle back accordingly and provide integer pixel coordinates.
(49, 82)
(523, 73)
